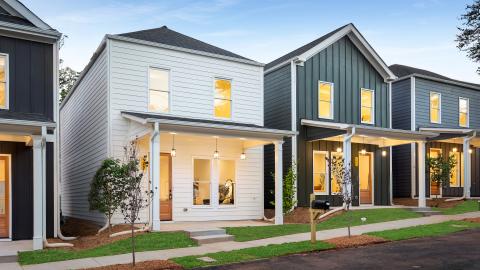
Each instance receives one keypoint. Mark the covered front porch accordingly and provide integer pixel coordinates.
(205, 170)
(366, 149)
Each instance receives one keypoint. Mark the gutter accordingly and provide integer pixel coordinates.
(155, 134)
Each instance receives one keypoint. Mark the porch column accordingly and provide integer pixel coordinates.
(347, 159)
(467, 167)
(39, 207)
(422, 202)
(278, 182)
(155, 177)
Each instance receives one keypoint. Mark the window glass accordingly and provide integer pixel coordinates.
(325, 100)
(201, 181)
(223, 98)
(3, 82)
(335, 185)
(435, 105)
(367, 106)
(463, 112)
(226, 182)
(159, 92)
(320, 172)
(457, 171)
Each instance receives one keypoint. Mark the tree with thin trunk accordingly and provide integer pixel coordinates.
(136, 197)
(343, 176)
(469, 38)
(106, 192)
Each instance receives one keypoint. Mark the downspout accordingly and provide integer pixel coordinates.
(156, 132)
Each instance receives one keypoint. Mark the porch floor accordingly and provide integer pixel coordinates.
(11, 248)
(188, 225)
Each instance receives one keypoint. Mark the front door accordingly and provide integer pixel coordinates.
(435, 187)
(365, 177)
(165, 187)
(4, 196)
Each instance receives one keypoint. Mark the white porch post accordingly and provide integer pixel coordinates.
(422, 202)
(467, 171)
(39, 189)
(278, 182)
(155, 177)
(347, 158)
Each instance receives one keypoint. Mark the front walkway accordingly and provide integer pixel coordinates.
(228, 246)
(188, 225)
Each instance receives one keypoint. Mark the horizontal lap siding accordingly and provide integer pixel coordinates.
(84, 140)
(278, 114)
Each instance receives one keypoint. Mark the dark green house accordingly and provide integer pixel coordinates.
(336, 93)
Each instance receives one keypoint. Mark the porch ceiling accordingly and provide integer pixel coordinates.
(455, 135)
(383, 137)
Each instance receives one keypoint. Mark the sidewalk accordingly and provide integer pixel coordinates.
(227, 246)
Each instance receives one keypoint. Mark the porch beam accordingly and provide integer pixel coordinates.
(422, 201)
(467, 171)
(155, 177)
(278, 182)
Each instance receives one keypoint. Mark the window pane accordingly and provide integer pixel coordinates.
(463, 120)
(335, 186)
(3, 96)
(3, 60)
(159, 79)
(159, 101)
(456, 173)
(201, 181)
(366, 115)
(223, 108)
(367, 97)
(324, 92)
(319, 172)
(434, 101)
(324, 109)
(434, 115)
(226, 182)
(463, 105)
(223, 89)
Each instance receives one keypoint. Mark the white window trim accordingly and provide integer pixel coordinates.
(7, 82)
(439, 107)
(212, 176)
(234, 205)
(468, 111)
(231, 97)
(373, 106)
(169, 89)
(327, 173)
(332, 100)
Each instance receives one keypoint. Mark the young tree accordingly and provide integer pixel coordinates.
(343, 176)
(469, 38)
(136, 198)
(288, 190)
(67, 78)
(105, 190)
(441, 169)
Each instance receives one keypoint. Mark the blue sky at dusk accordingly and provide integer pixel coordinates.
(420, 33)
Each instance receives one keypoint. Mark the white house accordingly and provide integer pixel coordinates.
(197, 111)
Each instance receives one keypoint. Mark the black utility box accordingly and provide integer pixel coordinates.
(321, 204)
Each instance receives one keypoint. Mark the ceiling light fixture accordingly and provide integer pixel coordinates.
(173, 152)
(216, 155)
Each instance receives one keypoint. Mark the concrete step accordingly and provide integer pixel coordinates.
(205, 232)
(208, 239)
(426, 211)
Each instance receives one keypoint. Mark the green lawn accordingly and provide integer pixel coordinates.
(426, 230)
(373, 216)
(463, 207)
(249, 254)
(145, 242)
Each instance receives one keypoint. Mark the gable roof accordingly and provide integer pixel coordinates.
(164, 35)
(307, 51)
(403, 71)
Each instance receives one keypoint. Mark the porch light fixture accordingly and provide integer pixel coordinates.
(216, 155)
(243, 156)
(363, 151)
(454, 149)
(339, 149)
(384, 153)
(173, 152)
(470, 151)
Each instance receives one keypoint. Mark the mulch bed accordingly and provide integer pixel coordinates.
(148, 265)
(476, 220)
(355, 241)
(440, 203)
(87, 234)
(298, 215)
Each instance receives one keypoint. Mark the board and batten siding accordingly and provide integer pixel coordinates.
(191, 85)
(449, 104)
(344, 65)
(278, 115)
(84, 139)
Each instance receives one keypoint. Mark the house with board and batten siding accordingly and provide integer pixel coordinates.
(335, 92)
(196, 111)
(427, 101)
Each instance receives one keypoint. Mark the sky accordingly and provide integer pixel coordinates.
(419, 33)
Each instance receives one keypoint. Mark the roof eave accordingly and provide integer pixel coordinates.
(438, 80)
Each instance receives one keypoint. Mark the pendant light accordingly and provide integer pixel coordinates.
(173, 152)
(216, 155)
(339, 150)
(384, 152)
(470, 150)
(454, 149)
(243, 156)
(363, 151)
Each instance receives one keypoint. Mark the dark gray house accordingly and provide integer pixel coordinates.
(427, 101)
(28, 134)
(335, 92)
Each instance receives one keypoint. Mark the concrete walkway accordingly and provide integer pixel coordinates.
(228, 246)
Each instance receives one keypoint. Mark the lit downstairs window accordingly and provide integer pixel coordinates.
(435, 108)
(320, 172)
(3, 82)
(367, 106)
(159, 90)
(463, 112)
(223, 98)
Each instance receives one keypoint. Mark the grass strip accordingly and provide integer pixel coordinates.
(144, 242)
(250, 233)
(249, 254)
(463, 207)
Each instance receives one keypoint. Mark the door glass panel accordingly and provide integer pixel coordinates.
(165, 178)
(3, 187)
(4, 196)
